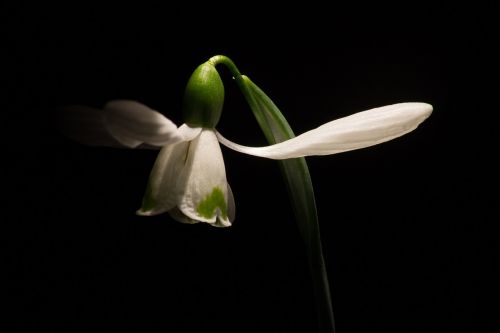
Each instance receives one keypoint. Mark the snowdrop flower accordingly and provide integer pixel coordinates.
(188, 179)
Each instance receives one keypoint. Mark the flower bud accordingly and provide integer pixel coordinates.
(203, 97)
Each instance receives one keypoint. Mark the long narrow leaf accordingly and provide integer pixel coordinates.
(300, 189)
(298, 181)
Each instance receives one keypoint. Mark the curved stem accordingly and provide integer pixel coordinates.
(249, 97)
(222, 59)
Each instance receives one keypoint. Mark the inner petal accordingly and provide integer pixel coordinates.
(203, 194)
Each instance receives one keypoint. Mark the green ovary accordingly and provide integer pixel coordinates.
(214, 200)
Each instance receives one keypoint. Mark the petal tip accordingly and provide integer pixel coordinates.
(221, 223)
(424, 109)
(427, 109)
(141, 212)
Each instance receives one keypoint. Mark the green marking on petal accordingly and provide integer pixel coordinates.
(207, 207)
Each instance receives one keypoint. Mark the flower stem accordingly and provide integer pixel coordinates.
(222, 59)
(299, 185)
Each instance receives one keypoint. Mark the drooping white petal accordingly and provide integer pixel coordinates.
(132, 124)
(162, 189)
(357, 131)
(85, 125)
(203, 189)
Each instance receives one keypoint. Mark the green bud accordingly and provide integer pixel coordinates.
(203, 97)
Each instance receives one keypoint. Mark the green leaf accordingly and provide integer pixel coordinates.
(300, 189)
(298, 181)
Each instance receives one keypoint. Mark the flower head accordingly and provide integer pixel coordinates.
(188, 179)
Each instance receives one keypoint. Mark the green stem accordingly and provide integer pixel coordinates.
(298, 181)
(240, 81)
(222, 59)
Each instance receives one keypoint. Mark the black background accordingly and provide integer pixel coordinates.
(408, 227)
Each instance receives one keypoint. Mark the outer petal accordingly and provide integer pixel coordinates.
(357, 131)
(203, 189)
(132, 124)
(85, 125)
(162, 191)
(188, 133)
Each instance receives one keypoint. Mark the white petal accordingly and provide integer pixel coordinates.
(188, 133)
(162, 189)
(86, 126)
(132, 124)
(177, 215)
(231, 210)
(357, 131)
(203, 186)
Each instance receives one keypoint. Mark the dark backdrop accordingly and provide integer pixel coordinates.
(408, 226)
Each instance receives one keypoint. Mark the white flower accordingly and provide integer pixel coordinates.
(188, 179)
